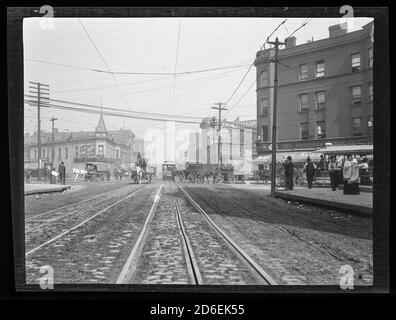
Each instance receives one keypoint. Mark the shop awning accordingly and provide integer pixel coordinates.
(297, 156)
(352, 149)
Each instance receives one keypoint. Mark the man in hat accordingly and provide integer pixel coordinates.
(309, 169)
(289, 172)
(62, 173)
(333, 173)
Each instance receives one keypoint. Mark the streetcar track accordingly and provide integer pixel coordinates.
(192, 264)
(82, 223)
(238, 250)
(71, 204)
(131, 262)
(116, 193)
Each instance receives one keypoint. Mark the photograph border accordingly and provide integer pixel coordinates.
(381, 186)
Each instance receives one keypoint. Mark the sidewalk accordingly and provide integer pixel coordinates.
(34, 188)
(361, 203)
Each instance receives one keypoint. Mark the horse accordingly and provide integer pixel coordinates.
(139, 174)
(79, 174)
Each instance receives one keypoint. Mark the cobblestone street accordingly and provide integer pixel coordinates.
(91, 241)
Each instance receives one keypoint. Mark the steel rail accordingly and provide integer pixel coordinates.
(71, 204)
(81, 223)
(263, 275)
(130, 264)
(192, 263)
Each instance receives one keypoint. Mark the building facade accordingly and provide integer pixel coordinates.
(117, 149)
(238, 143)
(325, 92)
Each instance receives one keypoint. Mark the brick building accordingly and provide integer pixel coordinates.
(114, 148)
(325, 92)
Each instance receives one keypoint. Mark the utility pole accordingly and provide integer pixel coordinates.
(52, 147)
(220, 108)
(276, 43)
(42, 92)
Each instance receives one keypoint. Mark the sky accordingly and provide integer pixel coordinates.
(151, 45)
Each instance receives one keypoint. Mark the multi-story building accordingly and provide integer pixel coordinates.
(238, 145)
(325, 92)
(115, 148)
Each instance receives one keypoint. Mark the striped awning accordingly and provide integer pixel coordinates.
(362, 149)
(297, 156)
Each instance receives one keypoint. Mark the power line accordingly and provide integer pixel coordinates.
(251, 65)
(133, 116)
(137, 73)
(174, 76)
(303, 25)
(97, 50)
(246, 92)
(115, 109)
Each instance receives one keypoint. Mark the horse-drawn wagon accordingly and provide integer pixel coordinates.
(96, 171)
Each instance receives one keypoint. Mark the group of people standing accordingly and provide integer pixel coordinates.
(347, 173)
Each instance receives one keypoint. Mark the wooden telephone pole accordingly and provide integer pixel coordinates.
(42, 92)
(52, 147)
(220, 108)
(276, 43)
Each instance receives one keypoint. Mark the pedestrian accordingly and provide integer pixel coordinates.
(354, 178)
(347, 170)
(54, 174)
(321, 165)
(108, 174)
(309, 169)
(289, 172)
(333, 173)
(364, 173)
(62, 173)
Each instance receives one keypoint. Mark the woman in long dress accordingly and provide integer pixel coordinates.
(354, 178)
(347, 174)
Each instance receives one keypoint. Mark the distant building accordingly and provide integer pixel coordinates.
(325, 92)
(117, 149)
(238, 142)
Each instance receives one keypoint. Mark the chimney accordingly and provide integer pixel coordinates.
(338, 30)
(291, 42)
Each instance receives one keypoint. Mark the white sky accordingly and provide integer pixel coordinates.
(149, 45)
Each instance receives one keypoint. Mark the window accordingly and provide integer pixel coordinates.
(304, 130)
(356, 126)
(100, 150)
(59, 153)
(43, 153)
(35, 154)
(117, 153)
(370, 58)
(303, 71)
(27, 154)
(370, 92)
(77, 151)
(320, 99)
(261, 167)
(304, 101)
(264, 107)
(320, 69)
(66, 153)
(264, 79)
(356, 95)
(264, 130)
(321, 129)
(355, 62)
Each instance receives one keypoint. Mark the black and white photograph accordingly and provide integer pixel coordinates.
(190, 152)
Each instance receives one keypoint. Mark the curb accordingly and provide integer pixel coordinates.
(50, 190)
(326, 203)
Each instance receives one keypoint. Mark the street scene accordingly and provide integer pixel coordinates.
(199, 151)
